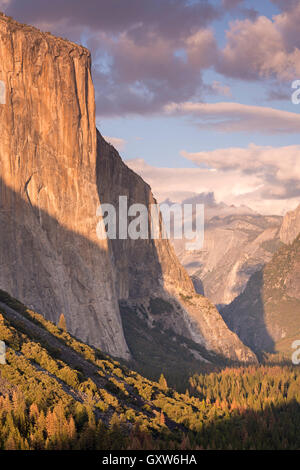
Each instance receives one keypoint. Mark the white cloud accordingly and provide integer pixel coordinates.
(236, 117)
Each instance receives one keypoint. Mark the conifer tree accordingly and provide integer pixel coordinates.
(162, 381)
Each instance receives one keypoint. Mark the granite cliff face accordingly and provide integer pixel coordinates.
(55, 172)
(290, 228)
(51, 258)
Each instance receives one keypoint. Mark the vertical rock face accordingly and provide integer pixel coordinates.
(143, 267)
(50, 256)
(147, 269)
(55, 172)
(290, 228)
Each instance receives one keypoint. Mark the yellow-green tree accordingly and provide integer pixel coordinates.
(62, 322)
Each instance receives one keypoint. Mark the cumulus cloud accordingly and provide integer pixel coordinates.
(144, 75)
(263, 47)
(265, 178)
(236, 117)
(140, 77)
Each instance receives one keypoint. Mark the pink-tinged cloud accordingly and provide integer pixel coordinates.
(236, 117)
(146, 75)
(267, 179)
(263, 48)
(277, 168)
(148, 53)
(178, 184)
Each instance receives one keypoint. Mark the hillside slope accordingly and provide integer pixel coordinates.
(58, 393)
(72, 394)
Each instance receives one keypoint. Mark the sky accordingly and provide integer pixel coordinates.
(195, 94)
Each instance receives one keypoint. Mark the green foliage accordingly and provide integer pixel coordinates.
(162, 382)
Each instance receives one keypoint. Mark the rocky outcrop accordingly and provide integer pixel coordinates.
(55, 173)
(290, 228)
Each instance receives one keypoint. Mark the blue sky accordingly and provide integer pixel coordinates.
(192, 86)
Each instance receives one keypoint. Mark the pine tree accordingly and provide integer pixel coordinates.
(162, 381)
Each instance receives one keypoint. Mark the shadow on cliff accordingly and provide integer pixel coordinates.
(198, 285)
(138, 268)
(36, 253)
(245, 316)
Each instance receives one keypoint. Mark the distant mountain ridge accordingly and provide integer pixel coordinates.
(237, 243)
